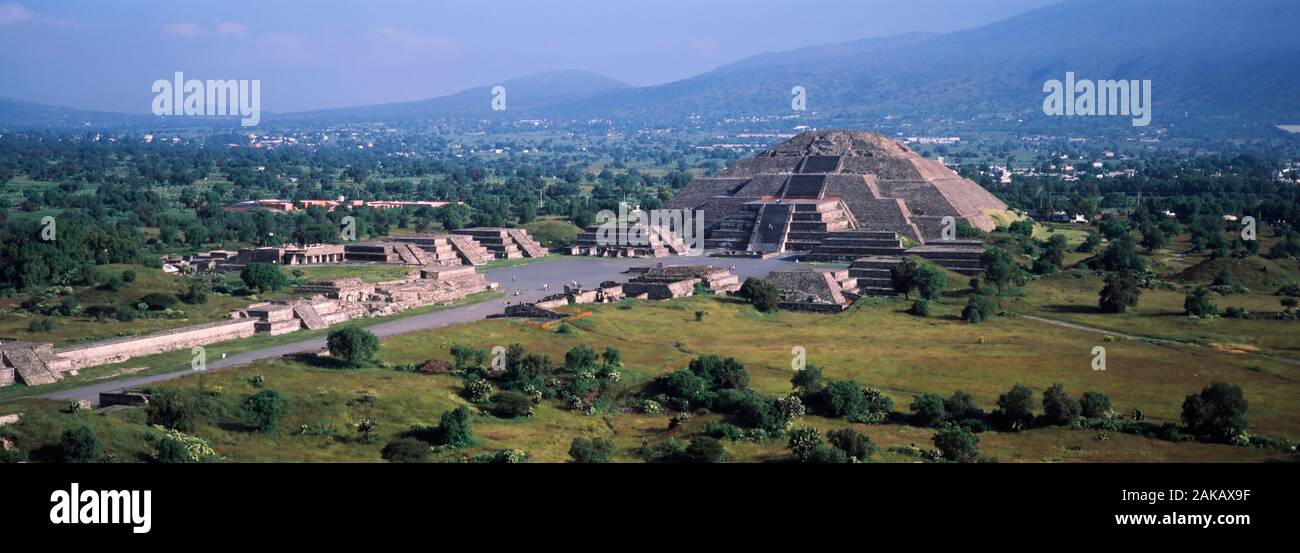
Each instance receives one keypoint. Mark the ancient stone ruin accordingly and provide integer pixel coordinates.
(820, 290)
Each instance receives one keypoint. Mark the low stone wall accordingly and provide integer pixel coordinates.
(6, 376)
(121, 349)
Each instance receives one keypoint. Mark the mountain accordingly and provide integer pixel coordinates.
(1207, 60)
(15, 114)
(534, 92)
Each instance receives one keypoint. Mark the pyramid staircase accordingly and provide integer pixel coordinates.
(873, 275)
(849, 245)
(309, 317)
(959, 256)
(469, 250)
(505, 243)
(526, 243)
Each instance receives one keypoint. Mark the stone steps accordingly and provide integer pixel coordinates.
(309, 317)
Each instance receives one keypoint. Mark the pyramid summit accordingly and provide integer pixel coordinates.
(803, 191)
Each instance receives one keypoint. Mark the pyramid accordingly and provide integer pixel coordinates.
(795, 195)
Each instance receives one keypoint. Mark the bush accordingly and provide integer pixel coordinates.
(825, 454)
(842, 399)
(263, 277)
(128, 275)
(723, 431)
(1217, 414)
(1198, 304)
(178, 447)
(595, 450)
(854, 444)
(159, 301)
(511, 405)
(704, 449)
(263, 410)
(920, 308)
(1015, 408)
(1094, 404)
(1058, 408)
(405, 450)
(353, 345)
(79, 445)
(168, 409)
(957, 444)
(979, 308)
(719, 373)
(928, 410)
(41, 325)
(1238, 313)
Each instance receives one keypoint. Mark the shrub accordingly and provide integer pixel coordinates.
(352, 345)
(920, 308)
(41, 325)
(719, 373)
(169, 409)
(263, 410)
(580, 357)
(825, 454)
(928, 410)
(978, 308)
(957, 444)
(704, 449)
(178, 447)
(842, 399)
(1198, 304)
(1015, 408)
(723, 431)
(595, 450)
(405, 450)
(1238, 313)
(854, 444)
(1058, 408)
(128, 275)
(510, 405)
(159, 301)
(1217, 414)
(803, 441)
(79, 445)
(433, 366)
(477, 389)
(1094, 404)
(684, 385)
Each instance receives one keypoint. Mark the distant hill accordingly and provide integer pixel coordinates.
(534, 92)
(15, 114)
(1217, 68)
(1206, 60)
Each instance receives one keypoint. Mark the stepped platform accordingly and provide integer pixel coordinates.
(438, 249)
(853, 244)
(962, 257)
(505, 243)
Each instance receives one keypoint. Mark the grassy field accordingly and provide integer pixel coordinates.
(875, 343)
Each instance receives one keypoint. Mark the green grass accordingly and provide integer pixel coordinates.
(876, 344)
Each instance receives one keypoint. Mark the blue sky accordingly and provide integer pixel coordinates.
(105, 54)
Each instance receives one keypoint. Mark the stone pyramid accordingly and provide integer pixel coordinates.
(883, 184)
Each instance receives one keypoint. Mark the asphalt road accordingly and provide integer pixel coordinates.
(527, 279)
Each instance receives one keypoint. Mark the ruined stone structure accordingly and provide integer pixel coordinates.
(821, 290)
(449, 249)
(332, 302)
(394, 253)
(505, 243)
(662, 283)
(631, 239)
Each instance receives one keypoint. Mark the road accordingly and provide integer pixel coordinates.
(527, 279)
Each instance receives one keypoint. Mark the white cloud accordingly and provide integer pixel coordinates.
(14, 13)
(232, 28)
(183, 29)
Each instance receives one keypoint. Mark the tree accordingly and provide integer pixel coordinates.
(1094, 404)
(263, 277)
(999, 267)
(1120, 256)
(79, 445)
(962, 406)
(719, 373)
(1058, 408)
(1090, 244)
(1120, 293)
(263, 410)
(808, 381)
(842, 399)
(353, 345)
(979, 308)
(595, 450)
(453, 429)
(1153, 239)
(903, 276)
(612, 357)
(405, 450)
(1199, 304)
(930, 281)
(761, 294)
(928, 410)
(580, 357)
(957, 444)
(1217, 414)
(1015, 408)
